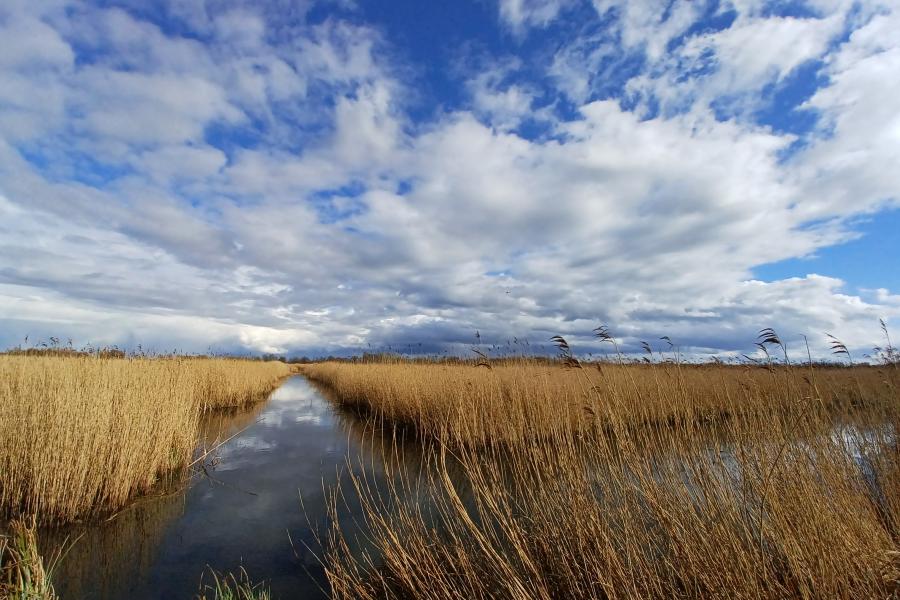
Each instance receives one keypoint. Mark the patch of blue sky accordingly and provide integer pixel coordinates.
(567, 110)
(338, 204)
(87, 54)
(162, 15)
(783, 110)
(36, 156)
(230, 138)
(73, 166)
(613, 73)
(716, 17)
(295, 130)
(863, 263)
(730, 106)
(780, 106)
(349, 190)
(857, 16)
(429, 38)
(460, 39)
(700, 66)
(788, 8)
(537, 130)
(404, 187)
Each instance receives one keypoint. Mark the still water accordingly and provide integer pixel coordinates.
(245, 510)
(259, 499)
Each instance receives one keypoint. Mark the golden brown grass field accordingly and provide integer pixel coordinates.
(82, 435)
(528, 399)
(625, 481)
(527, 478)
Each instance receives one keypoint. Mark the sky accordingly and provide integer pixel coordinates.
(332, 177)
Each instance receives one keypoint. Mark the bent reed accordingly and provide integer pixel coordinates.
(81, 435)
(627, 481)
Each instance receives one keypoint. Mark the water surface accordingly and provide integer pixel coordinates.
(244, 508)
(246, 512)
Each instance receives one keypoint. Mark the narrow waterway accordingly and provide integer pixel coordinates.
(258, 500)
(245, 510)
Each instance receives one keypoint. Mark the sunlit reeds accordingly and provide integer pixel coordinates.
(82, 435)
(518, 400)
(653, 481)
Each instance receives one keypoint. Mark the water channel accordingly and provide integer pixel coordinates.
(258, 500)
(243, 509)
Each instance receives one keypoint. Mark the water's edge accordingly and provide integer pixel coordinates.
(244, 510)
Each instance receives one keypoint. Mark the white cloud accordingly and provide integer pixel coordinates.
(852, 168)
(34, 59)
(30, 42)
(180, 162)
(499, 101)
(366, 129)
(144, 110)
(757, 51)
(687, 68)
(326, 216)
(650, 25)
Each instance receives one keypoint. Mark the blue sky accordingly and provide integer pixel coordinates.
(864, 262)
(329, 177)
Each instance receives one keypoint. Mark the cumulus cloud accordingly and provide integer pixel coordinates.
(251, 180)
(850, 168)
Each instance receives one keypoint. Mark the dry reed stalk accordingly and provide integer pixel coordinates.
(83, 435)
(712, 482)
(514, 402)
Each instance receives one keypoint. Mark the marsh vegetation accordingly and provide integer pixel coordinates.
(514, 478)
(624, 481)
(83, 435)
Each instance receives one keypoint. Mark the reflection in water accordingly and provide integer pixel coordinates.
(220, 425)
(266, 494)
(248, 512)
(114, 556)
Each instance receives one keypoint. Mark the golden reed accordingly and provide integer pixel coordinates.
(655, 481)
(82, 435)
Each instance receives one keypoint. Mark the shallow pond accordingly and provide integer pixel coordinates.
(246, 511)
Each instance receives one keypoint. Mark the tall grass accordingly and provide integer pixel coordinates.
(233, 383)
(520, 400)
(230, 586)
(24, 574)
(82, 435)
(658, 481)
